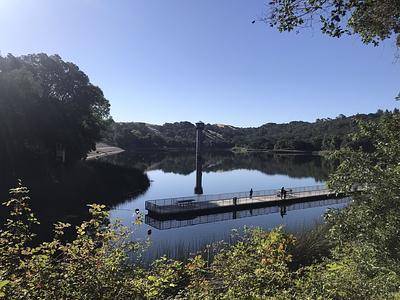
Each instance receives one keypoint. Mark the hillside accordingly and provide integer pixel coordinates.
(323, 134)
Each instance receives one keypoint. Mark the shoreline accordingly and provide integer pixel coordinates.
(103, 150)
(232, 150)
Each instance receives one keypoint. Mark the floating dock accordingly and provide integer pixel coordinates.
(166, 223)
(203, 204)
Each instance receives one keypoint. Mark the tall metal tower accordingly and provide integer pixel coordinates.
(199, 161)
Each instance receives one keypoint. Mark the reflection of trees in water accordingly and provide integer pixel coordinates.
(62, 194)
(170, 162)
(297, 166)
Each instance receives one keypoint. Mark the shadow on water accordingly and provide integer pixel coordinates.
(62, 193)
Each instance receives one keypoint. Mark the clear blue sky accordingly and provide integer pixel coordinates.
(162, 61)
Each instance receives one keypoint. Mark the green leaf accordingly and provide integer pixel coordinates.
(334, 267)
(4, 283)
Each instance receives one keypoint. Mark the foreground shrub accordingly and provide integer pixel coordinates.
(100, 263)
(95, 265)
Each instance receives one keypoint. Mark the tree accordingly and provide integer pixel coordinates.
(47, 103)
(373, 20)
(365, 262)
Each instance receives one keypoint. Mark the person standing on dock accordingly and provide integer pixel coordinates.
(282, 192)
(251, 193)
(234, 201)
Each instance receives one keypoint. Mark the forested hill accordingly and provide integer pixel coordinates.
(324, 134)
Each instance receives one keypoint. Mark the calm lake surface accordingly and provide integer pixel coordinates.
(174, 175)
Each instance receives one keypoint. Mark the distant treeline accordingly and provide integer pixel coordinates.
(50, 111)
(323, 134)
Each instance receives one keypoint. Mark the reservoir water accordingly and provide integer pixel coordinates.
(174, 175)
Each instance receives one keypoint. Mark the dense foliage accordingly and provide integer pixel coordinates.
(96, 265)
(373, 20)
(47, 104)
(324, 134)
(374, 217)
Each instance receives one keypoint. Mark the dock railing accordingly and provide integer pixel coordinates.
(195, 202)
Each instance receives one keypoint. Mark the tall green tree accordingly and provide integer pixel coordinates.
(374, 216)
(47, 103)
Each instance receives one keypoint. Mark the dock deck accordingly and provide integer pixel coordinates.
(220, 202)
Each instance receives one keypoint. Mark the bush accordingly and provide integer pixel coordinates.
(99, 264)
